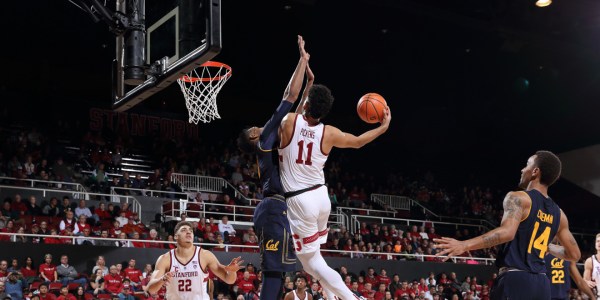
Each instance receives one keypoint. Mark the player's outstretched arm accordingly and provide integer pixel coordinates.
(346, 140)
(587, 273)
(568, 248)
(160, 275)
(292, 91)
(516, 206)
(310, 80)
(226, 273)
(580, 282)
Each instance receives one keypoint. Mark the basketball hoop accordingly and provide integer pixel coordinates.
(200, 88)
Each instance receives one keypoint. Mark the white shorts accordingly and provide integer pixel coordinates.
(308, 214)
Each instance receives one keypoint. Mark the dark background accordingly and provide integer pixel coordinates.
(475, 87)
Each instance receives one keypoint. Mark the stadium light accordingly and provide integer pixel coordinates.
(543, 3)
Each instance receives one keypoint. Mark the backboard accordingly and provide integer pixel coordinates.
(178, 36)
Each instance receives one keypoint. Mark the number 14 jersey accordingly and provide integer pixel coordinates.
(527, 250)
(301, 161)
(189, 281)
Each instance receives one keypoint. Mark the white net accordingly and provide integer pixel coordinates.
(200, 88)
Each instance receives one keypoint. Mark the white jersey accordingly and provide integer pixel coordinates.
(301, 161)
(189, 280)
(298, 298)
(596, 272)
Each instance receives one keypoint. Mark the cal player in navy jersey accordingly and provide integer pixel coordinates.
(270, 219)
(560, 272)
(531, 220)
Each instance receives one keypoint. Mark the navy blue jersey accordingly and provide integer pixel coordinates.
(520, 285)
(557, 271)
(268, 159)
(527, 250)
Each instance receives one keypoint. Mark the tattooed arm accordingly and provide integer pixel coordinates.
(568, 248)
(516, 207)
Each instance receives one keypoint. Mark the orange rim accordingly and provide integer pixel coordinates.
(213, 64)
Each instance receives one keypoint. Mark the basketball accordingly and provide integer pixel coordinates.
(371, 108)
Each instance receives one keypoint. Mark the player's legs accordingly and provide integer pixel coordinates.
(521, 285)
(272, 285)
(331, 280)
(308, 214)
(277, 253)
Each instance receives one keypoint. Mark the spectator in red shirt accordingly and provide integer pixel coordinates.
(115, 230)
(383, 278)
(120, 271)
(251, 242)
(371, 277)
(201, 226)
(170, 238)
(414, 231)
(404, 291)
(44, 295)
(29, 271)
(113, 283)
(48, 269)
(125, 208)
(18, 205)
(214, 227)
(348, 281)
(67, 232)
(421, 286)
(380, 293)
(65, 295)
(251, 272)
(9, 228)
(102, 212)
(368, 291)
(52, 239)
(152, 238)
(131, 227)
(137, 244)
(80, 226)
(134, 275)
(443, 279)
(245, 285)
(432, 235)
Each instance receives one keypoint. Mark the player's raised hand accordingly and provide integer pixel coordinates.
(310, 76)
(387, 117)
(234, 265)
(303, 53)
(451, 247)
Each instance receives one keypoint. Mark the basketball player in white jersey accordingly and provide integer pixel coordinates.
(305, 143)
(591, 271)
(184, 270)
(299, 293)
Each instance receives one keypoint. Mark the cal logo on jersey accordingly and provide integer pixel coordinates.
(270, 246)
(557, 263)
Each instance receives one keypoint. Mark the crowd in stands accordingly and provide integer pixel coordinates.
(97, 163)
(125, 280)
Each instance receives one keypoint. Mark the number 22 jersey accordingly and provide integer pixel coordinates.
(189, 281)
(527, 250)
